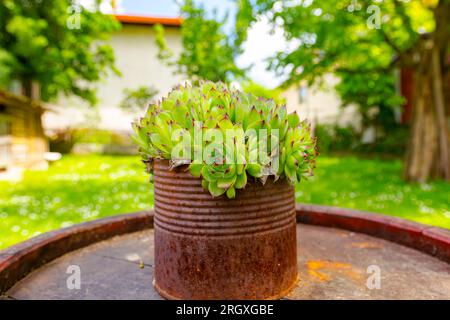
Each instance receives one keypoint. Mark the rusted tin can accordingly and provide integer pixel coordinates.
(219, 248)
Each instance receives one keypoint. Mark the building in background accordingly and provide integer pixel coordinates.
(136, 58)
(320, 104)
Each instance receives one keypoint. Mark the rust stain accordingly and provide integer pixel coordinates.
(319, 275)
(322, 270)
(320, 264)
(366, 245)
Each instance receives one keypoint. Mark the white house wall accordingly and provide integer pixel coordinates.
(135, 51)
(321, 104)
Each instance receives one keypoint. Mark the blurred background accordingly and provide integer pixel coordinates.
(372, 78)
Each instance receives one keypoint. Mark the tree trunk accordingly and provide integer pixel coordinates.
(428, 152)
(30, 88)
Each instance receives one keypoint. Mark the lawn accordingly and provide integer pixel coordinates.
(73, 190)
(77, 189)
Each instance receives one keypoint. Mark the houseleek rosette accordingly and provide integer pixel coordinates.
(192, 127)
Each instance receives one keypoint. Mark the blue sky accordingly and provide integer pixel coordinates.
(170, 7)
(257, 49)
(150, 7)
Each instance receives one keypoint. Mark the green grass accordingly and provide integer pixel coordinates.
(73, 190)
(77, 189)
(377, 186)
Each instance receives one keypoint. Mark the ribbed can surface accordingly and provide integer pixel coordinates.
(219, 248)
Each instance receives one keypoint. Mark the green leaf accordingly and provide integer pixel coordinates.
(291, 162)
(252, 117)
(195, 169)
(207, 174)
(225, 183)
(240, 168)
(215, 190)
(293, 119)
(229, 171)
(231, 193)
(225, 124)
(290, 174)
(241, 181)
(255, 125)
(205, 184)
(254, 170)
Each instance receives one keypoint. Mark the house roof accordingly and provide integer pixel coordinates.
(149, 20)
(10, 99)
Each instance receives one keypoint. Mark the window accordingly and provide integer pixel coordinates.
(303, 93)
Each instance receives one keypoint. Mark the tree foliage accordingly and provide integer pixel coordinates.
(260, 91)
(57, 43)
(208, 53)
(343, 35)
(364, 42)
(138, 100)
(375, 95)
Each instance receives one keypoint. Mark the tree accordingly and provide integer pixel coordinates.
(352, 37)
(208, 53)
(261, 91)
(55, 43)
(376, 98)
(137, 100)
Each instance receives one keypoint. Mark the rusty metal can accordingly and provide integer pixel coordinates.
(220, 248)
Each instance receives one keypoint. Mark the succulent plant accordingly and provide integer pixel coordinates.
(266, 140)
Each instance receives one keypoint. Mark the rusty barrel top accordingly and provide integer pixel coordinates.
(332, 264)
(404, 249)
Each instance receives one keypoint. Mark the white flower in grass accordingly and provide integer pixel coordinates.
(66, 224)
